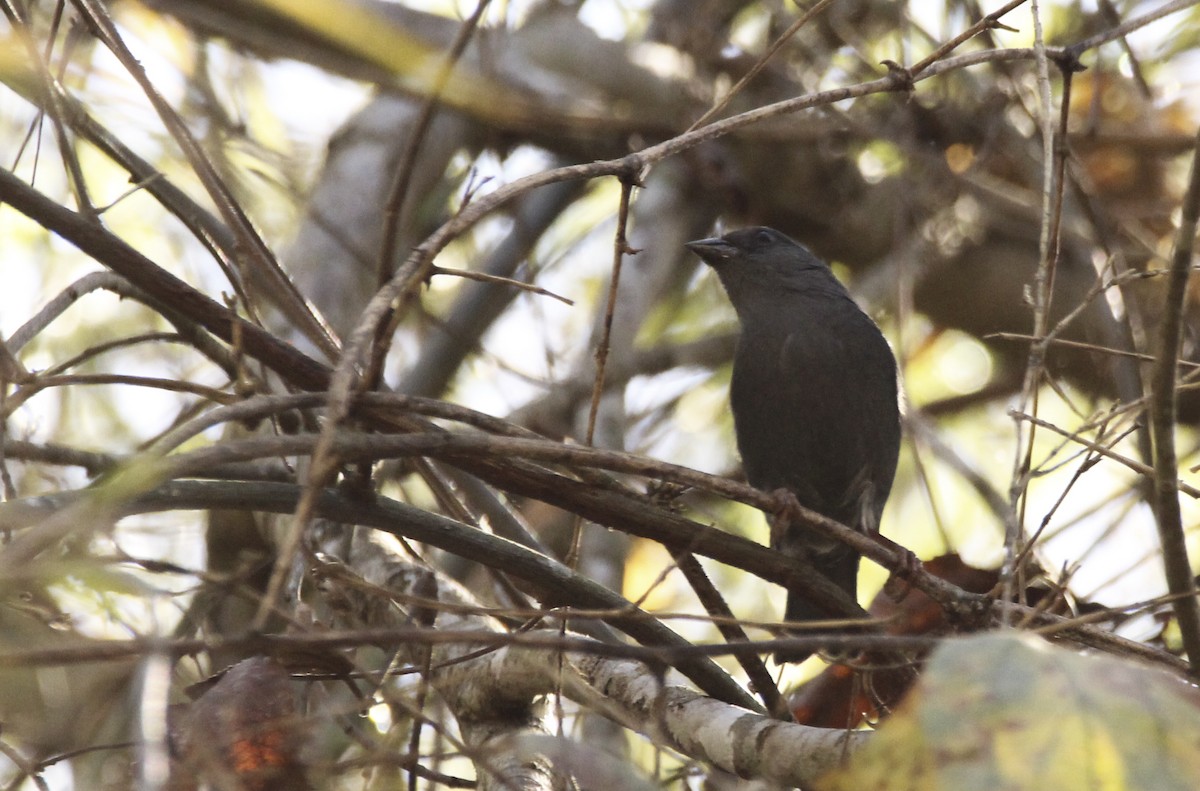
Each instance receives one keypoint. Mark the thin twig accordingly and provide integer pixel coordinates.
(1125, 28)
(38, 384)
(63, 300)
(484, 277)
(54, 109)
(621, 248)
(1103, 450)
(394, 207)
(102, 246)
(761, 63)
(989, 22)
(1035, 361)
(1089, 347)
(277, 286)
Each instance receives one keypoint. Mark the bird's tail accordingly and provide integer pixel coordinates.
(841, 567)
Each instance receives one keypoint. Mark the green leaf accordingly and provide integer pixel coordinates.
(1008, 712)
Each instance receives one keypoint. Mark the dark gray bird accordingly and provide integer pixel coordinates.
(813, 396)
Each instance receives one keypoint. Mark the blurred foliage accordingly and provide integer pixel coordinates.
(1070, 720)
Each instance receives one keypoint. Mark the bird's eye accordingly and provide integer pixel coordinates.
(764, 237)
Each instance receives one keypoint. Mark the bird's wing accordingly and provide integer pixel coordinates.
(840, 402)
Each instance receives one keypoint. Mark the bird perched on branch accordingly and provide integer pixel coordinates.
(814, 399)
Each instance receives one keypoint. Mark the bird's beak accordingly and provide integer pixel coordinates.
(713, 250)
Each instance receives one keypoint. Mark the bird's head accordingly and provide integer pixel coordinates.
(755, 262)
